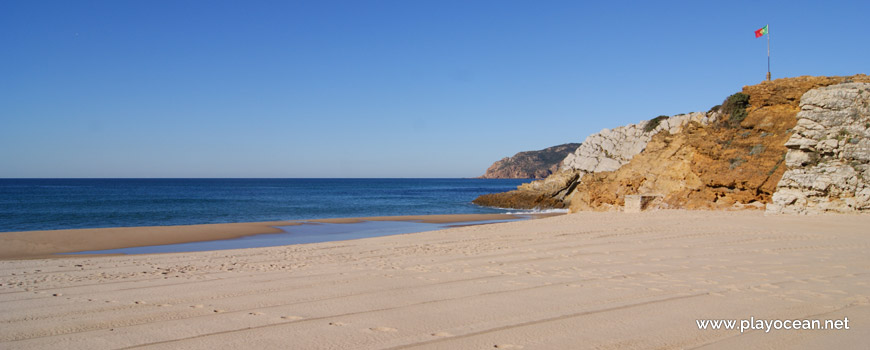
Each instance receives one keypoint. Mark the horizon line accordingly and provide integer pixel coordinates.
(248, 178)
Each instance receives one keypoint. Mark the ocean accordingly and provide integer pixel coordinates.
(52, 204)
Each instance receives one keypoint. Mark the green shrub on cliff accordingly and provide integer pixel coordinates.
(735, 106)
(653, 123)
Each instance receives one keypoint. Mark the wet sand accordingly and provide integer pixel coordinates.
(587, 280)
(43, 244)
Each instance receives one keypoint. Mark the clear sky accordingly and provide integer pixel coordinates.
(375, 88)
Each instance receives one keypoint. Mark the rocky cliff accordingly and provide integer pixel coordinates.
(606, 150)
(530, 164)
(828, 154)
(729, 157)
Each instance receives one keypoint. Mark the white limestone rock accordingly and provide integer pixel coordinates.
(610, 149)
(829, 154)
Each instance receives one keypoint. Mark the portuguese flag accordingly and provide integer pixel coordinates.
(759, 33)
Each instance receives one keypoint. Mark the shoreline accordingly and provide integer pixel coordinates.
(609, 279)
(50, 243)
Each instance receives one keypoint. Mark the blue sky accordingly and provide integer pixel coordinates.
(375, 88)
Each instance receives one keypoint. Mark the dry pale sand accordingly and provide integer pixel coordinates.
(579, 281)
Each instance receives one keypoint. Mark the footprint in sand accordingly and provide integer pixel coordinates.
(339, 324)
(384, 329)
(255, 313)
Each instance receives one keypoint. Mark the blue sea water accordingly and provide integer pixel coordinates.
(51, 204)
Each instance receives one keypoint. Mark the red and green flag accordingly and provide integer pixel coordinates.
(759, 33)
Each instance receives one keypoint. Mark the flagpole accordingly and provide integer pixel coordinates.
(768, 52)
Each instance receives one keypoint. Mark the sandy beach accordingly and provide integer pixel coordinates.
(578, 281)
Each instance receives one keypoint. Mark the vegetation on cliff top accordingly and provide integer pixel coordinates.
(735, 107)
(654, 123)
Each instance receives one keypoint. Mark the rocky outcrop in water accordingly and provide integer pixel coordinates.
(828, 154)
(530, 164)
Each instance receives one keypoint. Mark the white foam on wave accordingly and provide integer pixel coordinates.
(538, 211)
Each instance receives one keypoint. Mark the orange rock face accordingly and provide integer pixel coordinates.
(719, 166)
